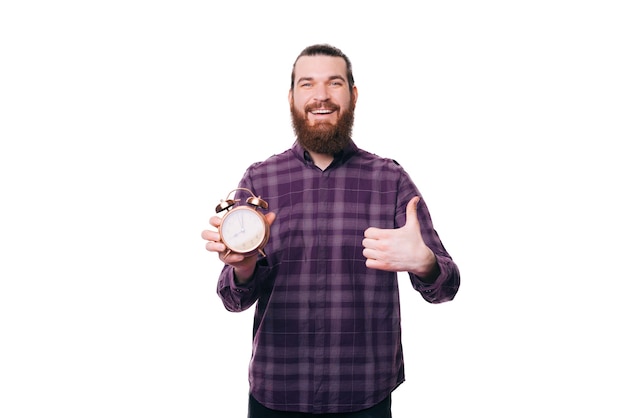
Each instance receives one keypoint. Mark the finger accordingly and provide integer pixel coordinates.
(216, 247)
(371, 253)
(374, 245)
(210, 235)
(232, 258)
(373, 232)
(215, 221)
(377, 265)
(271, 217)
(411, 212)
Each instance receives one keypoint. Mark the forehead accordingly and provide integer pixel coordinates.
(320, 66)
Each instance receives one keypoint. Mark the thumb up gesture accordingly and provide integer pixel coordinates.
(401, 249)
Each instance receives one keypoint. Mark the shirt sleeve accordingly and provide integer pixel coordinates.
(239, 297)
(446, 285)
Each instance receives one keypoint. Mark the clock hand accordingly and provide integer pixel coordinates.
(242, 230)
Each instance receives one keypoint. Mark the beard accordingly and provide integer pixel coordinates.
(323, 137)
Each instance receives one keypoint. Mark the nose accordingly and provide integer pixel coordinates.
(321, 92)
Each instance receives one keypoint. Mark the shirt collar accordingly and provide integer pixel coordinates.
(341, 157)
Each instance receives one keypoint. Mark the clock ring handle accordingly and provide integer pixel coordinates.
(257, 201)
(252, 200)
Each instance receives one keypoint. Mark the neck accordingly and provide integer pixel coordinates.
(321, 160)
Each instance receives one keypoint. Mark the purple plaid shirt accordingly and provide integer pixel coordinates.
(326, 332)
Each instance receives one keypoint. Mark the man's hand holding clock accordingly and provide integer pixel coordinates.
(241, 234)
(244, 264)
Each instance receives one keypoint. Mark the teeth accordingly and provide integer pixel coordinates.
(321, 111)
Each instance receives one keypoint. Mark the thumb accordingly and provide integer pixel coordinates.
(271, 217)
(411, 212)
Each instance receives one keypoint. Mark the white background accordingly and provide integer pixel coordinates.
(123, 123)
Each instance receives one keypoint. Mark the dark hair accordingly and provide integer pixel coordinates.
(328, 50)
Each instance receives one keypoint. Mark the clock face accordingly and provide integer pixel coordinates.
(243, 230)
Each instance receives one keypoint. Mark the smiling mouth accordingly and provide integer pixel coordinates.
(322, 111)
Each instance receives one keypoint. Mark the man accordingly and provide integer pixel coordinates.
(326, 332)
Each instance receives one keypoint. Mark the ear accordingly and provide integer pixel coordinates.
(290, 96)
(355, 94)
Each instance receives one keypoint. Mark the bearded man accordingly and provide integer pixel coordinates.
(344, 223)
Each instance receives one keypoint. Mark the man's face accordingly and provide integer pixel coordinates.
(322, 103)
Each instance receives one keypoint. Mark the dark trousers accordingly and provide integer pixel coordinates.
(380, 410)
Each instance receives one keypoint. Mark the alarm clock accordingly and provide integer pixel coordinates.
(244, 229)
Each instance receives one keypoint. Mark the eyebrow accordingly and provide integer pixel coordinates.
(332, 77)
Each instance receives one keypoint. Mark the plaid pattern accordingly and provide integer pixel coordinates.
(326, 332)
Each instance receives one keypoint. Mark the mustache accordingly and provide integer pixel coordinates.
(327, 106)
